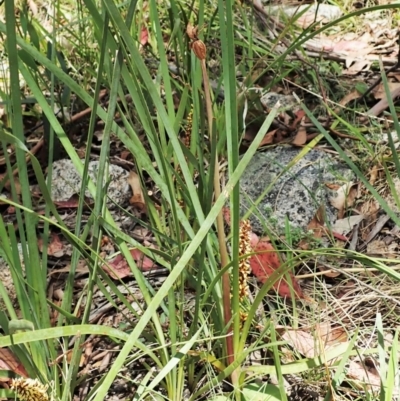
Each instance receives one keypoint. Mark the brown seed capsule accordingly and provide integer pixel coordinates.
(199, 49)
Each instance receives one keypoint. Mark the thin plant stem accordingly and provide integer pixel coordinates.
(199, 50)
(226, 286)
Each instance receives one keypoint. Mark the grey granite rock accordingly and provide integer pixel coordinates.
(287, 102)
(67, 182)
(297, 194)
(7, 279)
(317, 12)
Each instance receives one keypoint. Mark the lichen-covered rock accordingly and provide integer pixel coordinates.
(308, 14)
(287, 102)
(297, 194)
(67, 182)
(7, 280)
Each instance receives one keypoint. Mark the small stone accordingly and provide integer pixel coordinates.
(67, 182)
(287, 102)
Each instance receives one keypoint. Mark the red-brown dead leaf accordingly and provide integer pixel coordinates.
(280, 136)
(339, 236)
(268, 138)
(299, 116)
(301, 137)
(125, 154)
(8, 361)
(118, 268)
(54, 248)
(265, 263)
(71, 203)
(346, 289)
(144, 36)
(317, 224)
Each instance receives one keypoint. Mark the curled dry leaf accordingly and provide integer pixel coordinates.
(268, 138)
(345, 197)
(337, 335)
(373, 174)
(8, 361)
(312, 343)
(191, 31)
(118, 268)
(299, 117)
(344, 226)
(71, 203)
(80, 269)
(265, 263)
(137, 199)
(317, 224)
(354, 94)
(54, 248)
(301, 137)
(105, 362)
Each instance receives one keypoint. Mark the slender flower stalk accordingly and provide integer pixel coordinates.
(200, 50)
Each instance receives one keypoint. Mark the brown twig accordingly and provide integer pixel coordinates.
(382, 105)
(88, 110)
